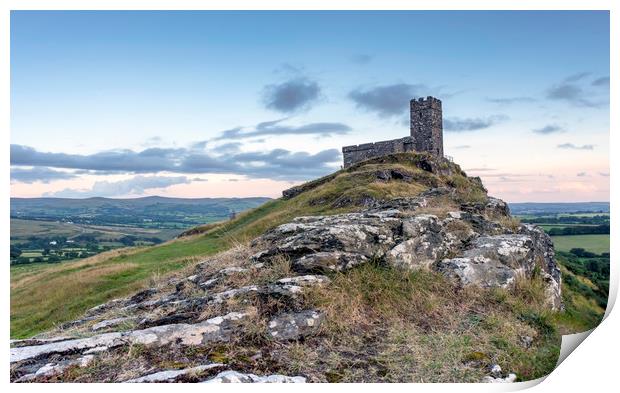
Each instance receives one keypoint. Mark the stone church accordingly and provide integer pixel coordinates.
(426, 135)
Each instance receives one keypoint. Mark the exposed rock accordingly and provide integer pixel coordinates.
(95, 350)
(142, 295)
(214, 329)
(110, 323)
(366, 234)
(492, 261)
(496, 207)
(426, 243)
(51, 369)
(328, 261)
(495, 370)
(174, 375)
(545, 251)
(526, 341)
(497, 261)
(465, 245)
(293, 286)
(214, 279)
(237, 377)
(394, 174)
(479, 271)
(492, 207)
(509, 379)
(38, 341)
(293, 326)
(222, 296)
(172, 318)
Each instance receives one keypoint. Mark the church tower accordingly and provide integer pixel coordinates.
(426, 125)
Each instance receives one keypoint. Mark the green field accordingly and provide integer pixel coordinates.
(593, 243)
(560, 226)
(21, 230)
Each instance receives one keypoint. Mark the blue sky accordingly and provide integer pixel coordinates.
(248, 103)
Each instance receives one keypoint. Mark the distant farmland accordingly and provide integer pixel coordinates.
(593, 243)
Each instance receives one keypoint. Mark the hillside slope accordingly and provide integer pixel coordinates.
(400, 268)
(44, 296)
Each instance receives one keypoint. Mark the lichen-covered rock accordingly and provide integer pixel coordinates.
(497, 261)
(231, 376)
(366, 234)
(509, 379)
(426, 243)
(173, 375)
(293, 326)
(470, 244)
(333, 261)
(293, 286)
(214, 329)
(231, 293)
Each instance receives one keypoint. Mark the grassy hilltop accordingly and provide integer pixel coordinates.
(43, 296)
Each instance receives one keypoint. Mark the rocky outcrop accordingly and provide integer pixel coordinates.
(469, 245)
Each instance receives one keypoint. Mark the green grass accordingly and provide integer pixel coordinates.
(581, 310)
(593, 243)
(44, 295)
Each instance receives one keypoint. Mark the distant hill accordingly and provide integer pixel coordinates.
(555, 208)
(153, 211)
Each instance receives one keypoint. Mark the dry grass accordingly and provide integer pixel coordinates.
(512, 223)
(389, 325)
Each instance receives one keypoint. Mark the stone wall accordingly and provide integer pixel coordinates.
(357, 153)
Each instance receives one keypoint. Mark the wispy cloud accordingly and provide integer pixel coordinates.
(575, 147)
(272, 164)
(39, 174)
(602, 81)
(455, 124)
(571, 90)
(295, 95)
(387, 100)
(137, 185)
(275, 127)
(577, 77)
(549, 129)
